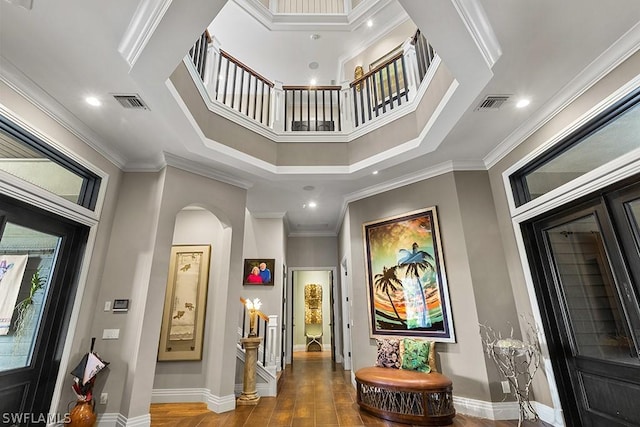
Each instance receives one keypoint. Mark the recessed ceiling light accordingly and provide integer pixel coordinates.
(369, 23)
(314, 65)
(314, 36)
(375, 172)
(312, 204)
(308, 188)
(93, 101)
(313, 82)
(523, 103)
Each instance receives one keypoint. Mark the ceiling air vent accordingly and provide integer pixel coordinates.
(131, 101)
(492, 102)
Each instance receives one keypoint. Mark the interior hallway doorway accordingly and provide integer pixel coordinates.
(313, 312)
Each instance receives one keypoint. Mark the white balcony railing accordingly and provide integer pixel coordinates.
(312, 109)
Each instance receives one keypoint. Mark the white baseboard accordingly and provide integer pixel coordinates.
(111, 420)
(503, 410)
(119, 420)
(139, 421)
(217, 404)
(222, 404)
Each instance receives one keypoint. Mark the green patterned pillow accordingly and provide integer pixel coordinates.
(415, 355)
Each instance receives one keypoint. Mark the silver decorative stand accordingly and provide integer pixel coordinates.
(518, 362)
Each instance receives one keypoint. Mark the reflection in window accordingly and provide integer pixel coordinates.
(30, 159)
(27, 258)
(615, 133)
(588, 287)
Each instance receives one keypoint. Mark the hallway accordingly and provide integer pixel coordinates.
(315, 392)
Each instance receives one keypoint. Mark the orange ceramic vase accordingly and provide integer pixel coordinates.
(82, 415)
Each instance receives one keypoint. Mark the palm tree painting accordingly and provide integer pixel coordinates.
(405, 275)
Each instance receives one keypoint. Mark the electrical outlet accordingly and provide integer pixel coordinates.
(506, 388)
(104, 398)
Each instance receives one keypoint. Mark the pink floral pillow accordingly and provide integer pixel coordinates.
(388, 353)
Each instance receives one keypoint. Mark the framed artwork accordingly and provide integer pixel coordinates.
(406, 281)
(185, 303)
(258, 271)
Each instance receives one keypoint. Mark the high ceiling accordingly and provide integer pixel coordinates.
(57, 53)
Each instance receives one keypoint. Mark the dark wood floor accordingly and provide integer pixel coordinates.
(314, 392)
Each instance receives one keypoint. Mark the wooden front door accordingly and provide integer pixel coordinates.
(586, 267)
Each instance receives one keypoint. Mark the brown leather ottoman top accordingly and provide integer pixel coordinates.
(402, 378)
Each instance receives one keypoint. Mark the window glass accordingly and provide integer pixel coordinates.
(26, 157)
(613, 134)
(27, 259)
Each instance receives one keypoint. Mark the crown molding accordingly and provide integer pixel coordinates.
(431, 172)
(208, 172)
(479, 27)
(312, 21)
(144, 22)
(622, 49)
(34, 94)
(268, 215)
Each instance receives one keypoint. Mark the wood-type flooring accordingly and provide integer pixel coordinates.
(314, 392)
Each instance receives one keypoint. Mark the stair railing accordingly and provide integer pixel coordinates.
(312, 108)
(340, 109)
(379, 90)
(267, 330)
(243, 89)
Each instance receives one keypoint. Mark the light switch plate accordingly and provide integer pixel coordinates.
(107, 306)
(110, 334)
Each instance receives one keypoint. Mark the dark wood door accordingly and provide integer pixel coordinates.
(586, 263)
(42, 252)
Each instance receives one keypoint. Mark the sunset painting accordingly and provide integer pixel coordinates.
(407, 287)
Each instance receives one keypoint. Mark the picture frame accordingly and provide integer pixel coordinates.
(265, 268)
(182, 331)
(407, 289)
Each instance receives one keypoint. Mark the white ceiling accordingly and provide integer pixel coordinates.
(59, 52)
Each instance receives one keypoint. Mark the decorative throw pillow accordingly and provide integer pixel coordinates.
(388, 353)
(415, 355)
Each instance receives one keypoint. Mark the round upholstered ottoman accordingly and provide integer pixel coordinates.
(406, 396)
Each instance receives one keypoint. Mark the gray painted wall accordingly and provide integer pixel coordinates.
(194, 227)
(464, 360)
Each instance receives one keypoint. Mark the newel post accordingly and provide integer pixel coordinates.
(346, 107)
(411, 67)
(272, 342)
(277, 108)
(211, 67)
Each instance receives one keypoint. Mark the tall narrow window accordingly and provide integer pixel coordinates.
(25, 156)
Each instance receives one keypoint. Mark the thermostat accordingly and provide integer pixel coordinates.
(121, 305)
